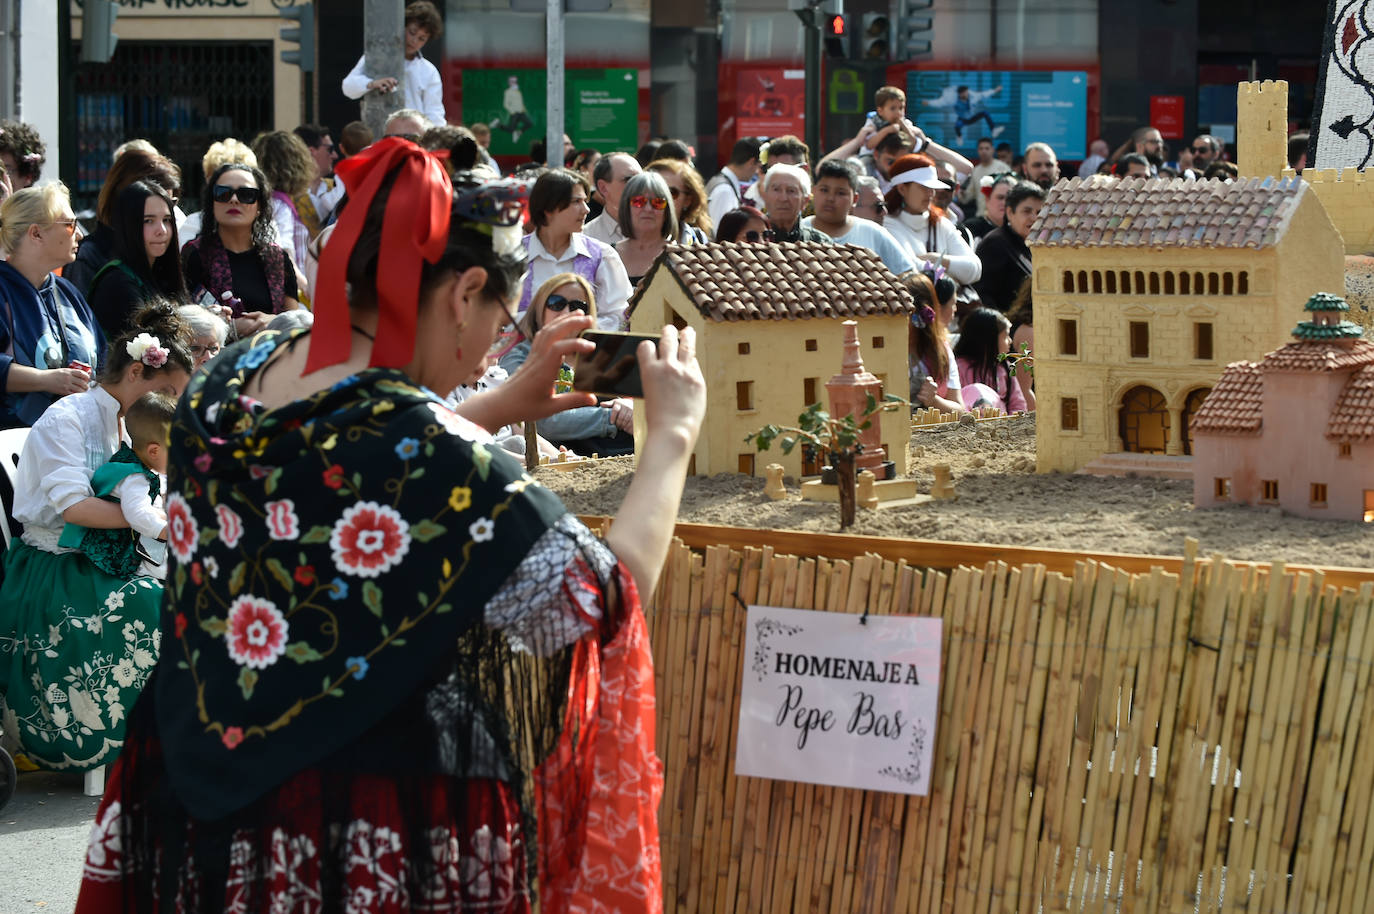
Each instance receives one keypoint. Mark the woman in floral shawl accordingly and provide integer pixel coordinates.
(396, 675)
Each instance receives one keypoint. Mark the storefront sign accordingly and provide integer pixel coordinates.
(771, 102)
(194, 7)
(957, 108)
(601, 110)
(827, 699)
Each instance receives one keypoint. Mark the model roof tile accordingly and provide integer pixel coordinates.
(1353, 417)
(1234, 405)
(1320, 355)
(1148, 212)
(792, 280)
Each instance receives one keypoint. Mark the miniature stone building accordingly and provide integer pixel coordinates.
(1295, 429)
(1146, 288)
(768, 322)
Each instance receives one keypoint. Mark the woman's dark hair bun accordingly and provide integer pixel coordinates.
(159, 317)
(463, 155)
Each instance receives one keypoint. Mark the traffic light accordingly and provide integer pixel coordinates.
(914, 29)
(302, 34)
(836, 33)
(876, 39)
(98, 39)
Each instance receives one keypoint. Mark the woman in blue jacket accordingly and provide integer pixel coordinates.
(50, 343)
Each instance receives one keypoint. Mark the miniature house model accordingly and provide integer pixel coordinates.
(768, 319)
(1146, 288)
(1295, 429)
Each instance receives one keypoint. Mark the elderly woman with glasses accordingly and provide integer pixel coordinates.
(209, 332)
(648, 217)
(50, 343)
(607, 428)
(235, 262)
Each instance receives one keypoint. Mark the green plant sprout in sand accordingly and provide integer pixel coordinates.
(838, 438)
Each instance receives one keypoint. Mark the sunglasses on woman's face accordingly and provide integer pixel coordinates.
(246, 195)
(756, 236)
(559, 303)
(641, 201)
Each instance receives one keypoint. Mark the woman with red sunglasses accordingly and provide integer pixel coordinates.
(649, 219)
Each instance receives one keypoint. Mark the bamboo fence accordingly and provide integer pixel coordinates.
(1162, 741)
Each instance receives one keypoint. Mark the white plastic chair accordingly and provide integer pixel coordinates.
(11, 443)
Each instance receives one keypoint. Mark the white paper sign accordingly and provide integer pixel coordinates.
(827, 700)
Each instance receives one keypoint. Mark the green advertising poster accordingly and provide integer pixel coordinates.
(602, 108)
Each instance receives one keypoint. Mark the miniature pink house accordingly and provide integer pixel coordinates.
(1295, 429)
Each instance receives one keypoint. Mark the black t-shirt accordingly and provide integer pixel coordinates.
(249, 278)
(1006, 262)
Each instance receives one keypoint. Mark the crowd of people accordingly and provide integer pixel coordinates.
(336, 320)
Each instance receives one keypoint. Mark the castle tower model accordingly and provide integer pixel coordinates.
(1262, 128)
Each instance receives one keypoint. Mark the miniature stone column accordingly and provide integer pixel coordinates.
(1173, 447)
(848, 392)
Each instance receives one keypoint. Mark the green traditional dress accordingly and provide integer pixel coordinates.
(76, 643)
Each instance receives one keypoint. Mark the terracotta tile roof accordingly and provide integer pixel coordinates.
(802, 279)
(1233, 406)
(1320, 355)
(1149, 212)
(1353, 417)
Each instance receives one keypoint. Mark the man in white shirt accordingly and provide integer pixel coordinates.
(833, 197)
(424, 90)
(610, 175)
(725, 191)
(987, 164)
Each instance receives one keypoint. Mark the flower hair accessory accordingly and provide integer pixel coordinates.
(923, 317)
(936, 272)
(147, 349)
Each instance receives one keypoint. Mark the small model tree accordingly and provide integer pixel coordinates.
(837, 438)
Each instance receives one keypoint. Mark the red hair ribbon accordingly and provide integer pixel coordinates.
(414, 230)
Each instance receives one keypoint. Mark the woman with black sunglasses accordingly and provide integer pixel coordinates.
(235, 262)
(744, 224)
(607, 428)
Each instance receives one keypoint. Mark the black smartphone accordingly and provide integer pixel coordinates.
(611, 369)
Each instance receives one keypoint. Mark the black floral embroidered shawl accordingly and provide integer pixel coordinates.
(324, 556)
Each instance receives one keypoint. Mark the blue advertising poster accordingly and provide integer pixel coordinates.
(956, 108)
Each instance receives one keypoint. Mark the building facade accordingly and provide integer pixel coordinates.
(1146, 289)
(769, 324)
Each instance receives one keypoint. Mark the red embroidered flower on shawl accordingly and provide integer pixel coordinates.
(257, 632)
(368, 539)
(182, 533)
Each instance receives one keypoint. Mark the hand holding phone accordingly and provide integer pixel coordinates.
(611, 369)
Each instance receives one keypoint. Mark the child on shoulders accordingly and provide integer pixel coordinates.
(888, 117)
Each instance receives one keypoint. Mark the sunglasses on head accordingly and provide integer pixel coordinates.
(223, 193)
(559, 303)
(640, 201)
(757, 236)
